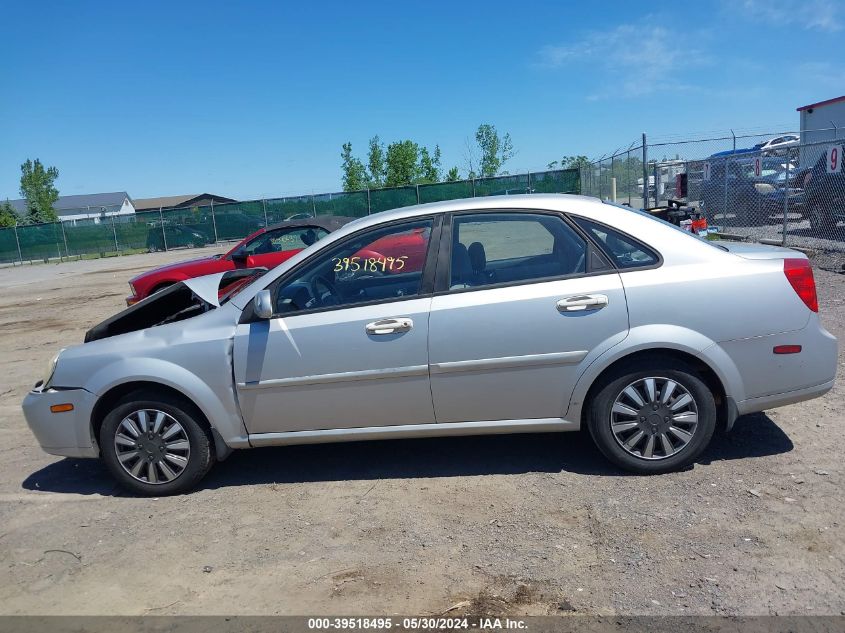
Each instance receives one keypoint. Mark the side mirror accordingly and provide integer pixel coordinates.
(262, 304)
(239, 255)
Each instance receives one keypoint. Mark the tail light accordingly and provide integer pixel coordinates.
(799, 274)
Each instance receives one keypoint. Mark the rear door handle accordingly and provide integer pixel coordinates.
(579, 303)
(390, 326)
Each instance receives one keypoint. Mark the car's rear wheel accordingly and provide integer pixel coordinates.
(821, 219)
(154, 445)
(653, 419)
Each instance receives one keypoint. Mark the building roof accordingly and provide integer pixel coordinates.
(822, 103)
(84, 203)
(143, 204)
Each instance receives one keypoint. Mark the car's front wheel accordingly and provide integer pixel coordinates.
(154, 445)
(653, 419)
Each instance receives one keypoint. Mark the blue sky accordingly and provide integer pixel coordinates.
(252, 99)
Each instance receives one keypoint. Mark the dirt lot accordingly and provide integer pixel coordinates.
(500, 525)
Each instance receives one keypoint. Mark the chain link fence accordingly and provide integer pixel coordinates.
(166, 229)
(775, 187)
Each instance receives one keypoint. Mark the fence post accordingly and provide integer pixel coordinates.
(528, 188)
(628, 175)
(64, 238)
(656, 171)
(163, 232)
(602, 176)
(213, 221)
(114, 232)
(418, 194)
(613, 178)
(785, 200)
(313, 207)
(645, 172)
(264, 207)
(473, 186)
(18, 242)
(369, 208)
(725, 208)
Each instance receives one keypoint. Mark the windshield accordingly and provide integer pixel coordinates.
(665, 223)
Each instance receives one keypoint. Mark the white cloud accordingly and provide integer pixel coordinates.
(630, 60)
(819, 15)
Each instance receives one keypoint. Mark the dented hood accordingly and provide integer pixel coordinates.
(178, 302)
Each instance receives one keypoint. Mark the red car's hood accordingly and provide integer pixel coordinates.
(191, 267)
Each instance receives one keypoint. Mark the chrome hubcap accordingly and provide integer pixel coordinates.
(654, 418)
(152, 446)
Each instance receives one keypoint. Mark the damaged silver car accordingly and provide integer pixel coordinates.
(514, 314)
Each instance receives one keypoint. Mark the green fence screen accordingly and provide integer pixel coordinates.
(198, 226)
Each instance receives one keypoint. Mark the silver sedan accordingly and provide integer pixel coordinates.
(515, 314)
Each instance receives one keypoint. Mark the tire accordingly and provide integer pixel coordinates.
(161, 471)
(161, 287)
(608, 427)
(821, 222)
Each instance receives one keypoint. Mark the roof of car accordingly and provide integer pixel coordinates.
(516, 202)
(328, 222)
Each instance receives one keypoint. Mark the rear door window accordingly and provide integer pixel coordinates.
(496, 248)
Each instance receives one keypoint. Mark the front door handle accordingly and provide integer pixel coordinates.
(580, 303)
(390, 326)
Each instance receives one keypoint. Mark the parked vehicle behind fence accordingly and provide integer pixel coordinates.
(746, 196)
(824, 191)
(160, 237)
(532, 313)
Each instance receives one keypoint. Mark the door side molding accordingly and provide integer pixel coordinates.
(508, 362)
(346, 376)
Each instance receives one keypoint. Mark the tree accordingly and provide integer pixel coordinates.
(494, 150)
(8, 217)
(37, 187)
(429, 168)
(574, 162)
(401, 166)
(403, 163)
(375, 160)
(354, 174)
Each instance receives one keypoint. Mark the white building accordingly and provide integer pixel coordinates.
(822, 123)
(88, 208)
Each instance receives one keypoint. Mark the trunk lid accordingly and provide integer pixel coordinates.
(748, 250)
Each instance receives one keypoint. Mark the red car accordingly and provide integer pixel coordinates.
(265, 248)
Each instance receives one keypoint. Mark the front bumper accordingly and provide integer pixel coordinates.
(67, 433)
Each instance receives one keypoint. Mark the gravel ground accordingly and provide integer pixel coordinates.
(533, 524)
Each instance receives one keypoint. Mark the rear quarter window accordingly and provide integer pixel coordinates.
(624, 250)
